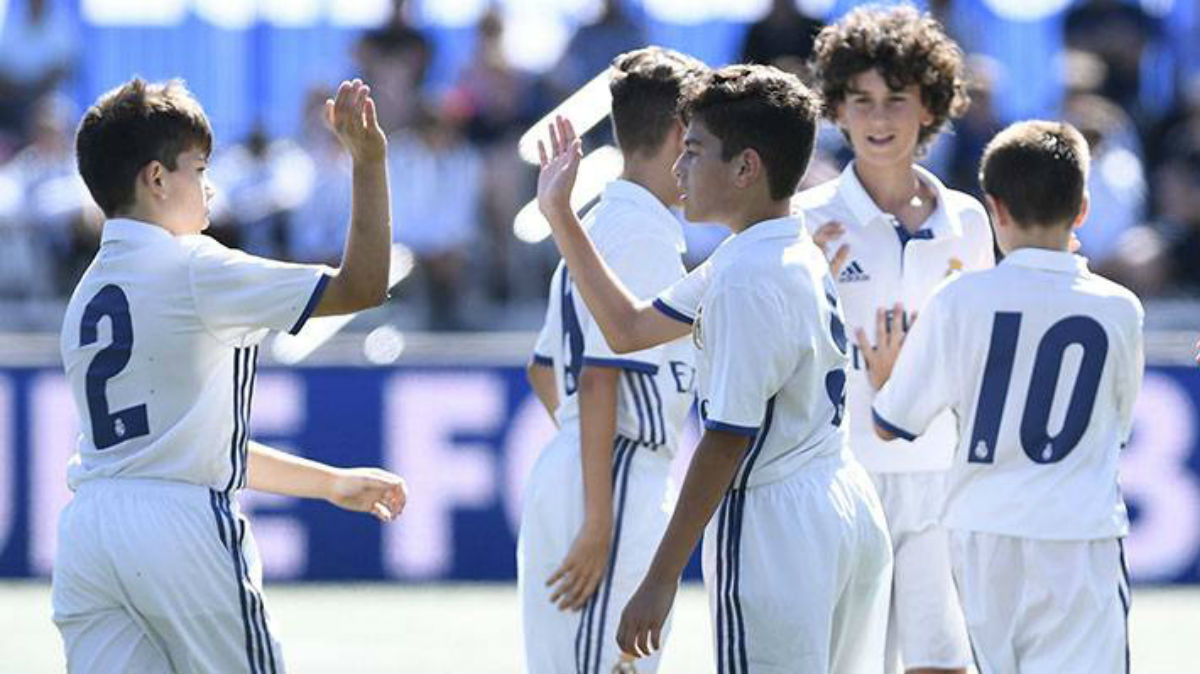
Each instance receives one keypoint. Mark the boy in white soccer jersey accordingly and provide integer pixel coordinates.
(597, 502)
(797, 560)
(1041, 361)
(891, 79)
(156, 570)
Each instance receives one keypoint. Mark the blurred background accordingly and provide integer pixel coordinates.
(431, 385)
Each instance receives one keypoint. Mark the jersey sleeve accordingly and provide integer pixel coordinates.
(646, 266)
(543, 349)
(744, 372)
(239, 297)
(918, 389)
(681, 300)
(1131, 371)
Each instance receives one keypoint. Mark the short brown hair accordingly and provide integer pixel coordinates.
(906, 47)
(1038, 170)
(764, 109)
(130, 126)
(647, 86)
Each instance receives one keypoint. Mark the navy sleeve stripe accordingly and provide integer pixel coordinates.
(672, 312)
(539, 359)
(313, 300)
(748, 431)
(892, 428)
(623, 363)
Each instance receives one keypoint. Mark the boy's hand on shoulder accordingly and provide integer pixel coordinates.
(369, 490)
(351, 116)
(559, 168)
(824, 237)
(891, 329)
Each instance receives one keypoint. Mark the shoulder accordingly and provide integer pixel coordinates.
(816, 200)
(969, 213)
(1117, 296)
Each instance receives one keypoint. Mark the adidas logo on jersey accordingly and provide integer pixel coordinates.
(853, 272)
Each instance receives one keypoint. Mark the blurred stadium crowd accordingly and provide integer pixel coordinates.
(457, 181)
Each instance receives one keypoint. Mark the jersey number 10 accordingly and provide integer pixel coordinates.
(110, 428)
(1035, 437)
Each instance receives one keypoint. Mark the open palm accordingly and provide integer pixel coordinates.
(559, 168)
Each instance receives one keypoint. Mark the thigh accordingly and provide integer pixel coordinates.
(929, 624)
(110, 640)
(1074, 615)
(194, 576)
(989, 579)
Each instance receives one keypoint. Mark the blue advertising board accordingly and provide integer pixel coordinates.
(465, 437)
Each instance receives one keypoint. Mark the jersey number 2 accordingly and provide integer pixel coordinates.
(1036, 440)
(110, 428)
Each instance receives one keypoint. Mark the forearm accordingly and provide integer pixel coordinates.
(277, 472)
(597, 427)
(708, 478)
(368, 250)
(617, 311)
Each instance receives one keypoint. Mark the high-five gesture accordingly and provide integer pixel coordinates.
(351, 116)
(891, 328)
(559, 168)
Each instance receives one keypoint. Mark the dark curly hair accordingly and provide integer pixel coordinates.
(906, 47)
(764, 109)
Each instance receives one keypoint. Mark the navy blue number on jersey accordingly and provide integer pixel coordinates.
(572, 337)
(835, 380)
(110, 428)
(1035, 436)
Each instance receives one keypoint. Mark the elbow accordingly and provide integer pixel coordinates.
(620, 342)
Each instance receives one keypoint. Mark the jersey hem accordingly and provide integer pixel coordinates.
(623, 363)
(713, 425)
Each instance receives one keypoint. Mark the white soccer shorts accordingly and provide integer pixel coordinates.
(559, 642)
(157, 576)
(1043, 606)
(799, 573)
(925, 625)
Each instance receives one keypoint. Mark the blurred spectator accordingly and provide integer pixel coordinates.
(48, 223)
(1177, 183)
(593, 47)
(783, 38)
(497, 101)
(971, 133)
(37, 51)
(437, 183)
(1116, 182)
(393, 60)
(318, 225)
(262, 180)
(1120, 33)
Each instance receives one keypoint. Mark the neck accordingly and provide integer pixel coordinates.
(892, 188)
(1046, 238)
(655, 175)
(759, 212)
(147, 216)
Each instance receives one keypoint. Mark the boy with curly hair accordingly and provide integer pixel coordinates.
(892, 79)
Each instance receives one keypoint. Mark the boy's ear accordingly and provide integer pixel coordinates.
(1084, 205)
(749, 167)
(997, 210)
(151, 175)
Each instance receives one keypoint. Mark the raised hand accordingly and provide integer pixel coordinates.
(891, 328)
(577, 578)
(351, 117)
(370, 490)
(825, 235)
(559, 167)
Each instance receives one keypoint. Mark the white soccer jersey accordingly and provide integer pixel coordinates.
(641, 241)
(772, 347)
(1041, 361)
(159, 342)
(887, 265)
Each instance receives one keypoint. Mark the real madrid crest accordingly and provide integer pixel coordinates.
(697, 339)
(954, 266)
